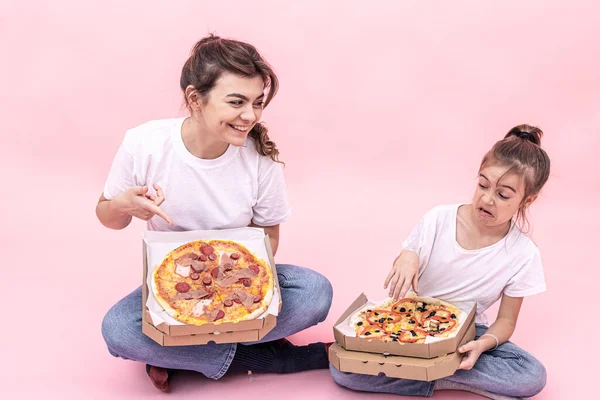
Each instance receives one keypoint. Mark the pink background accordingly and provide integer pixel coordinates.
(385, 110)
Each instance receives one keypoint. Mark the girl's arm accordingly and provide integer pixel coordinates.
(502, 329)
(505, 323)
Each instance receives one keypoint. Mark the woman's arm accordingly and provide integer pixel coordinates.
(116, 213)
(502, 329)
(110, 216)
(273, 232)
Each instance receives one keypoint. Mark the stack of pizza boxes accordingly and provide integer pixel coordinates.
(418, 361)
(167, 331)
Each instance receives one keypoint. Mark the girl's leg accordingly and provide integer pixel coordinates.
(506, 371)
(381, 384)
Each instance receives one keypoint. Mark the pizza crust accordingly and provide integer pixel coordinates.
(163, 303)
(264, 305)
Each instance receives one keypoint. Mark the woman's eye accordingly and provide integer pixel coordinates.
(259, 105)
(236, 102)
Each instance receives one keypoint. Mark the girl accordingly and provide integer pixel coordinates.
(215, 169)
(474, 254)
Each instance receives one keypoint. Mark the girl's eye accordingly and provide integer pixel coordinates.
(502, 196)
(259, 104)
(236, 102)
(482, 186)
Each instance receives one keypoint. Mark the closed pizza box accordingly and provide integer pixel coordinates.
(439, 347)
(165, 330)
(420, 369)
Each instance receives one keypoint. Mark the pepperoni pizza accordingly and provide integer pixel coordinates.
(213, 281)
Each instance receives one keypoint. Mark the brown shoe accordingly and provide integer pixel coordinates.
(159, 377)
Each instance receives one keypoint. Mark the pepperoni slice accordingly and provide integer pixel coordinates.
(228, 303)
(238, 301)
(220, 315)
(203, 257)
(247, 282)
(194, 256)
(195, 276)
(212, 256)
(234, 256)
(215, 273)
(182, 287)
(206, 249)
(257, 299)
(254, 268)
(206, 280)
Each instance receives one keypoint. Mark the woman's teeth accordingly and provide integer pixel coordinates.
(239, 128)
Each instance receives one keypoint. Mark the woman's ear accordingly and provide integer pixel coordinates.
(192, 98)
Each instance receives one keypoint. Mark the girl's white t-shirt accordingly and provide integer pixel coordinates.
(447, 271)
(230, 191)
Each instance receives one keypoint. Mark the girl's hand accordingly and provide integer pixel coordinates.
(404, 272)
(474, 348)
(137, 202)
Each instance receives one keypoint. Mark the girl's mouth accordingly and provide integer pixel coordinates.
(485, 212)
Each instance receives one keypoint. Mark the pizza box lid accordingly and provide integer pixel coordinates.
(421, 350)
(177, 334)
(392, 366)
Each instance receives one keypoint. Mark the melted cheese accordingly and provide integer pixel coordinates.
(182, 271)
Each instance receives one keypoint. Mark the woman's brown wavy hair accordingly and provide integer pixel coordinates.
(211, 57)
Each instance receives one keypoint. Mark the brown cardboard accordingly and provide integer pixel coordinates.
(184, 335)
(421, 350)
(420, 369)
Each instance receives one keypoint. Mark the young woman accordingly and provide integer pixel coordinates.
(215, 169)
(474, 254)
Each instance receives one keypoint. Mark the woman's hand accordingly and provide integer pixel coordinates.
(404, 272)
(137, 202)
(474, 348)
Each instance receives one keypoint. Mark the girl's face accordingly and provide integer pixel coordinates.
(498, 196)
(232, 108)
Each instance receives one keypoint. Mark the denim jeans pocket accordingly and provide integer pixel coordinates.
(506, 354)
(283, 280)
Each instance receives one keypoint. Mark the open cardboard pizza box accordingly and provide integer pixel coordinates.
(345, 337)
(420, 369)
(167, 331)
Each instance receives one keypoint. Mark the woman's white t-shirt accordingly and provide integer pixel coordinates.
(230, 191)
(447, 271)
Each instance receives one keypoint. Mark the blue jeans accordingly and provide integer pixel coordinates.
(306, 297)
(508, 370)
